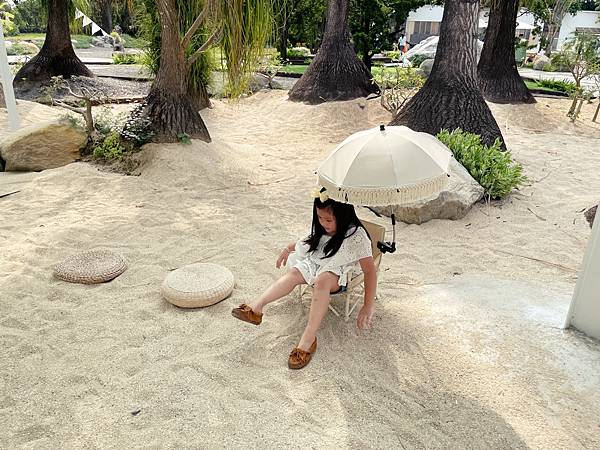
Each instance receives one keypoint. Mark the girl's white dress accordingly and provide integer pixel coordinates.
(355, 246)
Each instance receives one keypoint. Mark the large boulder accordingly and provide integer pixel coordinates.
(42, 146)
(103, 41)
(428, 47)
(540, 62)
(426, 67)
(452, 203)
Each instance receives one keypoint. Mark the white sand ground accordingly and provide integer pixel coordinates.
(467, 350)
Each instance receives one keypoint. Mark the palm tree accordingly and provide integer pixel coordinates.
(241, 27)
(450, 98)
(499, 78)
(57, 56)
(336, 73)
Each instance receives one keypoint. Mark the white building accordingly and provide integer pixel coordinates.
(425, 22)
(588, 21)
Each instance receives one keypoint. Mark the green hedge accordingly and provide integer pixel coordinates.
(492, 168)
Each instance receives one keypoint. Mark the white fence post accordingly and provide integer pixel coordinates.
(7, 85)
(584, 312)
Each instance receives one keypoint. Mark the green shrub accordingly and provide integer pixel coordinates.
(124, 58)
(492, 168)
(110, 147)
(133, 42)
(297, 53)
(417, 59)
(19, 49)
(394, 54)
(558, 85)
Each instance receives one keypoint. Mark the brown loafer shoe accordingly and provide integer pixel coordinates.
(300, 358)
(245, 313)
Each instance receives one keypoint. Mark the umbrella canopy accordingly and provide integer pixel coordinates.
(385, 166)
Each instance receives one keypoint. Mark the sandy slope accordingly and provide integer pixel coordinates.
(466, 352)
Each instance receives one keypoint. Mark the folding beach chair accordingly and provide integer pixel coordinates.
(355, 286)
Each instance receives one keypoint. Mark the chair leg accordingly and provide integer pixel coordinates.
(347, 298)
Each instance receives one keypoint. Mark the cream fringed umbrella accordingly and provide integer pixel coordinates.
(385, 166)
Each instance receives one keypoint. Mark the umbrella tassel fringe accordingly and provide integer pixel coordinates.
(368, 196)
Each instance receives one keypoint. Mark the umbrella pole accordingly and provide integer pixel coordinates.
(389, 247)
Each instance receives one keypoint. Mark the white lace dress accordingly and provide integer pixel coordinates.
(356, 246)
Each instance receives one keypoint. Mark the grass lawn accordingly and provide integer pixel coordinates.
(533, 85)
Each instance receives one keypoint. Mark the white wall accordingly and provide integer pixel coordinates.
(587, 19)
(428, 13)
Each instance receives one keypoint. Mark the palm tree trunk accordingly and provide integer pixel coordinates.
(168, 104)
(57, 57)
(499, 79)
(451, 97)
(336, 73)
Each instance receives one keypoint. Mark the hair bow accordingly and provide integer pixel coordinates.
(320, 194)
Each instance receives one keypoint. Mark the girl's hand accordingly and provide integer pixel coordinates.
(283, 257)
(365, 316)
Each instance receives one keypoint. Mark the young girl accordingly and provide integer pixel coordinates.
(336, 244)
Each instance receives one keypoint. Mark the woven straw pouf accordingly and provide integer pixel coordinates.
(95, 266)
(198, 285)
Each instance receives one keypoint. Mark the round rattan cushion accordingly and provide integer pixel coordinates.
(95, 266)
(198, 285)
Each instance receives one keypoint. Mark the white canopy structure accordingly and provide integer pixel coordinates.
(584, 313)
(7, 85)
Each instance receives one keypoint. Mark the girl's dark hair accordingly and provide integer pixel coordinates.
(345, 217)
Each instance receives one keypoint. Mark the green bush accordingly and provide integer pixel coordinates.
(296, 53)
(109, 148)
(124, 58)
(19, 49)
(492, 168)
(133, 42)
(394, 54)
(558, 85)
(417, 59)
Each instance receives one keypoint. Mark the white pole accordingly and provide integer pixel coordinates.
(584, 312)
(7, 85)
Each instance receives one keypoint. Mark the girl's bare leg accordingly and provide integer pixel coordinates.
(324, 284)
(282, 287)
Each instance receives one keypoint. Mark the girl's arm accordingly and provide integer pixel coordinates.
(365, 315)
(283, 256)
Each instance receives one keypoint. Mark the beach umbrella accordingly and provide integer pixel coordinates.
(385, 166)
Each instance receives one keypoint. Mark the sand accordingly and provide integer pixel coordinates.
(467, 349)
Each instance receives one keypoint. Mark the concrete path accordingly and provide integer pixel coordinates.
(587, 82)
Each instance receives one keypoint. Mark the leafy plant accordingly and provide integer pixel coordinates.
(394, 54)
(6, 19)
(19, 49)
(110, 147)
(184, 138)
(397, 85)
(580, 56)
(558, 85)
(124, 58)
(492, 168)
(417, 59)
(269, 66)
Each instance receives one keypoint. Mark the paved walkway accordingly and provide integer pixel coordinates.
(587, 82)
